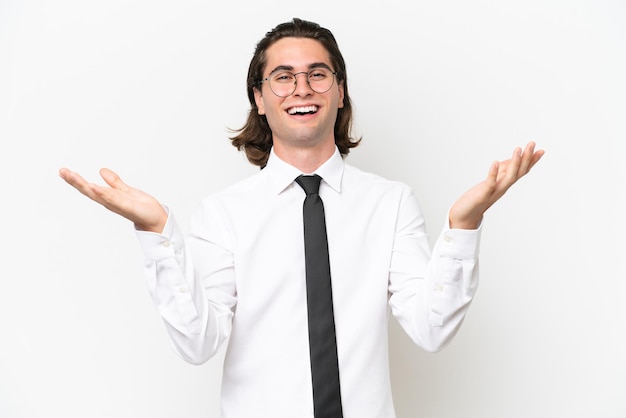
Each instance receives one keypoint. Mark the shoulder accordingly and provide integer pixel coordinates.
(355, 178)
(240, 193)
(255, 182)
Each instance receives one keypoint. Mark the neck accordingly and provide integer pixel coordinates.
(305, 159)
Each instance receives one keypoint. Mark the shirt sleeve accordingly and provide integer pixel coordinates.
(195, 300)
(430, 291)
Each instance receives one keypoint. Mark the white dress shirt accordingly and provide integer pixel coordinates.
(240, 276)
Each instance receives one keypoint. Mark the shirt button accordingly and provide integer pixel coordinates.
(439, 288)
(182, 289)
(447, 238)
(165, 244)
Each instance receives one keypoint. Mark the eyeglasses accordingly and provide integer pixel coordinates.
(283, 83)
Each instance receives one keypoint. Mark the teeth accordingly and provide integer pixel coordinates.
(303, 109)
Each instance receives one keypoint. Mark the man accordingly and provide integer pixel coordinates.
(241, 273)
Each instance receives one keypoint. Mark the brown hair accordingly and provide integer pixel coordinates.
(255, 137)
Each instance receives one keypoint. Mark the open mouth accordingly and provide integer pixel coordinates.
(302, 110)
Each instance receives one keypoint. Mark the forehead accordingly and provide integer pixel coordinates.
(298, 53)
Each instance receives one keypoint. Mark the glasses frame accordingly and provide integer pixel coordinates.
(295, 81)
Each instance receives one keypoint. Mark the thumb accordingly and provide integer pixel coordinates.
(112, 179)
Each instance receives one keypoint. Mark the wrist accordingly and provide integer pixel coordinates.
(157, 226)
(464, 223)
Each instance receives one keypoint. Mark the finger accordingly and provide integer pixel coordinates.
(526, 160)
(513, 167)
(112, 179)
(492, 176)
(72, 178)
(75, 180)
(536, 157)
(64, 172)
(531, 157)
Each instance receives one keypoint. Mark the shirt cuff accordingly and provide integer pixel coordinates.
(460, 243)
(161, 246)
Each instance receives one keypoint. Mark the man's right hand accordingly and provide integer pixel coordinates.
(140, 208)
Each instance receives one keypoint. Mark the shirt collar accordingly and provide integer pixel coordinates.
(283, 174)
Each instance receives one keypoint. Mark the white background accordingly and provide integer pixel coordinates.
(150, 88)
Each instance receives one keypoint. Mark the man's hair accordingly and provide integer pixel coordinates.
(255, 137)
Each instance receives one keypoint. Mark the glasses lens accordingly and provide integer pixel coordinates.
(283, 83)
(321, 80)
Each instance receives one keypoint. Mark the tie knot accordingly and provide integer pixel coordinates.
(310, 184)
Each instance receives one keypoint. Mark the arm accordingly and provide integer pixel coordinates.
(195, 300)
(198, 319)
(431, 293)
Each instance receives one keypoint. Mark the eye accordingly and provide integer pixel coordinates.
(318, 74)
(283, 77)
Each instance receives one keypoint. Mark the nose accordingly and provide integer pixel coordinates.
(302, 88)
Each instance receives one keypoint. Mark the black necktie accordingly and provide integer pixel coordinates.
(322, 341)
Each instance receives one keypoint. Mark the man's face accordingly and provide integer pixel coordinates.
(305, 118)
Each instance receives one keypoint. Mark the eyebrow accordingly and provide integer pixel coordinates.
(290, 68)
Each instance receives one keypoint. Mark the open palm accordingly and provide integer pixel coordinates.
(139, 207)
(468, 210)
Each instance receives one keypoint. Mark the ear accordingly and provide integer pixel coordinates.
(258, 99)
(341, 95)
